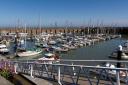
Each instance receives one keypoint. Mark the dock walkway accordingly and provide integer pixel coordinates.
(3, 81)
(40, 81)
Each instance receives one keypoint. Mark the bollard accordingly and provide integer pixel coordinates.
(119, 53)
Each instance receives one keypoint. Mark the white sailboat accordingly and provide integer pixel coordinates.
(28, 53)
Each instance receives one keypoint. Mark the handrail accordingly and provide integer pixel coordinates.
(69, 60)
(49, 70)
(81, 66)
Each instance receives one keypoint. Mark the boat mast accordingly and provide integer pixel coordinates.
(39, 23)
(25, 36)
(97, 27)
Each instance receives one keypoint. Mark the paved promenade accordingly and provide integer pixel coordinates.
(3, 81)
(39, 81)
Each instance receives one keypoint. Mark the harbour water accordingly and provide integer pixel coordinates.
(99, 51)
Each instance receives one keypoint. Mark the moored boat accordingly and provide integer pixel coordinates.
(3, 49)
(123, 56)
(60, 49)
(29, 53)
(49, 58)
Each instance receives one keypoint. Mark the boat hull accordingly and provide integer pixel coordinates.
(123, 56)
(28, 53)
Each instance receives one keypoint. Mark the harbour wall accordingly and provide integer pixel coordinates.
(86, 30)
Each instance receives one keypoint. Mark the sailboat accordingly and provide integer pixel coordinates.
(21, 47)
(28, 53)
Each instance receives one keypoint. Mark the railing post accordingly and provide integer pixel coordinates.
(59, 75)
(118, 77)
(31, 72)
(73, 68)
(15, 67)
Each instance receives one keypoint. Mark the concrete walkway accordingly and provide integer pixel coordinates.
(2, 57)
(40, 81)
(3, 81)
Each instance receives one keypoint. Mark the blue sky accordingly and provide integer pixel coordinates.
(63, 12)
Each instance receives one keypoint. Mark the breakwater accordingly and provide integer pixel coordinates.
(79, 30)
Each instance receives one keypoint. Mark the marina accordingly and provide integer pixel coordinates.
(85, 51)
(82, 50)
(63, 42)
(89, 52)
(86, 47)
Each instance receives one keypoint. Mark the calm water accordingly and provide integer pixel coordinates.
(98, 51)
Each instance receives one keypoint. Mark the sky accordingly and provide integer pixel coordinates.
(63, 12)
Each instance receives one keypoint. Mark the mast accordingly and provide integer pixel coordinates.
(39, 23)
(66, 26)
(89, 26)
(97, 26)
(25, 36)
(18, 23)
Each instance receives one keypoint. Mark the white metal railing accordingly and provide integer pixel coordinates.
(69, 60)
(73, 70)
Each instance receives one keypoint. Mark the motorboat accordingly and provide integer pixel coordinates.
(3, 49)
(60, 49)
(44, 45)
(52, 42)
(112, 70)
(49, 58)
(123, 56)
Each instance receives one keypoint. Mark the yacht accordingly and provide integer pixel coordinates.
(3, 49)
(29, 53)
